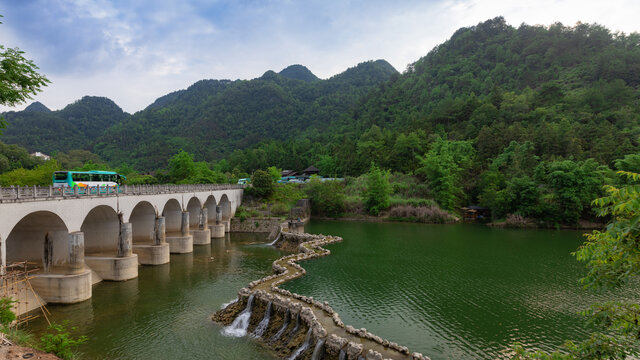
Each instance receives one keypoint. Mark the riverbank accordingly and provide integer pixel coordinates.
(267, 311)
(9, 350)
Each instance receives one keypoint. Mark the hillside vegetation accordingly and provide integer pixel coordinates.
(529, 121)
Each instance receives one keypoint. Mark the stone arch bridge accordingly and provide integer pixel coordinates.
(77, 237)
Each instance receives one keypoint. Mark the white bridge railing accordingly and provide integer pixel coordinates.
(49, 192)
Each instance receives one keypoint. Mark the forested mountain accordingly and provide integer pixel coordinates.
(37, 107)
(298, 72)
(571, 91)
(213, 117)
(77, 126)
(528, 121)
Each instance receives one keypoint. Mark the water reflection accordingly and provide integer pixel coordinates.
(453, 291)
(165, 312)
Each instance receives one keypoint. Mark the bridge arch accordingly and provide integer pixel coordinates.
(194, 207)
(172, 213)
(101, 228)
(225, 207)
(142, 219)
(211, 204)
(26, 240)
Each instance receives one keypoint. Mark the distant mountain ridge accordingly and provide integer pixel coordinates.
(210, 118)
(36, 107)
(75, 127)
(298, 72)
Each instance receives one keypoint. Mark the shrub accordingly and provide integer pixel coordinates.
(327, 197)
(378, 190)
(59, 341)
(353, 205)
(7, 316)
(425, 214)
(287, 193)
(262, 183)
(519, 221)
(279, 209)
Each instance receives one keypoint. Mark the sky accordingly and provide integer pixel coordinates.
(134, 51)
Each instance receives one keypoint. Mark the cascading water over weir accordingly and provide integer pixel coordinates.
(260, 329)
(239, 326)
(285, 325)
(315, 322)
(302, 348)
(318, 351)
(343, 355)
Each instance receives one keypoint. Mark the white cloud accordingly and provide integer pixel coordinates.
(134, 53)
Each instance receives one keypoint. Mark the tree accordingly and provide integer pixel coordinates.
(378, 190)
(262, 183)
(443, 166)
(275, 173)
(19, 79)
(327, 197)
(181, 166)
(611, 258)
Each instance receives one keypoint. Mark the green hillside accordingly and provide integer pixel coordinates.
(213, 117)
(77, 126)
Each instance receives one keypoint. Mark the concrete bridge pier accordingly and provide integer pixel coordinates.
(69, 283)
(121, 267)
(217, 229)
(202, 234)
(149, 238)
(180, 242)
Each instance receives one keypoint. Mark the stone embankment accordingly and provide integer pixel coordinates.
(297, 326)
(257, 225)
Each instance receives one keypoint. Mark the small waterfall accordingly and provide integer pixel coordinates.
(343, 355)
(302, 348)
(277, 237)
(285, 325)
(262, 326)
(295, 327)
(239, 326)
(318, 351)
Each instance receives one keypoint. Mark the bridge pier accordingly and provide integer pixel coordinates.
(123, 266)
(218, 229)
(181, 243)
(73, 284)
(202, 234)
(157, 251)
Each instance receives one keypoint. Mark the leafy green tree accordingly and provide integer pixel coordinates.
(274, 172)
(40, 175)
(327, 197)
(19, 79)
(378, 190)
(181, 166)
(262, 183)
(568, 188)
(443, 166)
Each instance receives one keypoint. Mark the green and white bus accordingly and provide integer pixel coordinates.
(84, 179)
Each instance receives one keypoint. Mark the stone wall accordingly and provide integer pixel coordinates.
(255, 225)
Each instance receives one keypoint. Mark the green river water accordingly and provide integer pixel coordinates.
(449, 291)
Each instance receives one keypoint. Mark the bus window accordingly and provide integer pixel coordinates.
(81, 177)
(60, 175)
